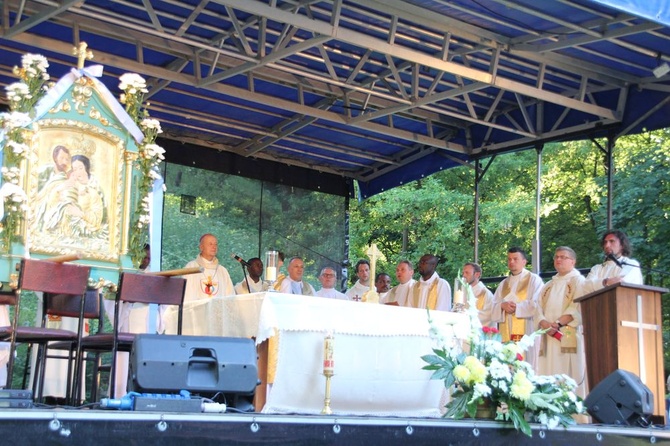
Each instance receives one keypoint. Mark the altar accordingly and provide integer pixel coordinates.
(377, 351)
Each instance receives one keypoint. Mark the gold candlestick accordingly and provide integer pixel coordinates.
(328, 372)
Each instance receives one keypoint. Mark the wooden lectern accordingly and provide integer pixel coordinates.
(623, 329)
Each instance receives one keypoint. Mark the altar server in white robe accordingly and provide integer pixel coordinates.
(617, 267)
(562, 346)
(382, 285)
(431, 291)
(362, 285)
(214, 280)
(514, 302)
(472, 272)
(328, 278)
(399, 294)
(253, 282)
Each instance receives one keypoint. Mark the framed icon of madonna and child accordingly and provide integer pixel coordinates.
(76, 190)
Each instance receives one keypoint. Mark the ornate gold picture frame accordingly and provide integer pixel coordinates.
(75, 190)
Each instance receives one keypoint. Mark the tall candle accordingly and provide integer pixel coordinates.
(271, 273)
(328, 362)
(458, 296)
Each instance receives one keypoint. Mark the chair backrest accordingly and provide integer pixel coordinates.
(53, 277)
(70, 305)
(150, 289)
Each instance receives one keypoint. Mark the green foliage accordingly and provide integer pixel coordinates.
(399, 220)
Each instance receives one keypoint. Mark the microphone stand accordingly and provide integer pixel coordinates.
(244, 271)
(246, 279)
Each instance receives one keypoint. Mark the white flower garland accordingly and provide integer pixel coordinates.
(134, 88)
(23, 96)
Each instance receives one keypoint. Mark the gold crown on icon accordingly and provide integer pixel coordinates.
(80, 145)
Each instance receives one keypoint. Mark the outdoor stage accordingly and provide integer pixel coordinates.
(112, 427)
(380, 394)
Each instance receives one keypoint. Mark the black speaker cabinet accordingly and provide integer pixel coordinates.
(199, 364)
(620, 398)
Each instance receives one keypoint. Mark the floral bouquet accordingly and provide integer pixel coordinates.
(487, 372)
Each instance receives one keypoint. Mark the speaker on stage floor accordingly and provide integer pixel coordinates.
(204, 365)
(621, 398)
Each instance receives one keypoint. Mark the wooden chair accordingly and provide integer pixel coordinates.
(133, 288)
(64, 287)
(93, 312)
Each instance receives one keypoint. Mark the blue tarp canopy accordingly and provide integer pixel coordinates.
(383, 92)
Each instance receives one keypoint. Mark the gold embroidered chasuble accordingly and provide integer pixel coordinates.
(513, 328)
(569, 339)
(431, 302)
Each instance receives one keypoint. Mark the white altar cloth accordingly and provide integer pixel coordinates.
(377, 353)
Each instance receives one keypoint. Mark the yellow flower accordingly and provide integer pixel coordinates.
(477, 370)
(461, 373)
(478, 373)
(470, 362)
(521, 387)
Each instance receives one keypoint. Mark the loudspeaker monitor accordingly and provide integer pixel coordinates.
(621, 398)
(199, 364)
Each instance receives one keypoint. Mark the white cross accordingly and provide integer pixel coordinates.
(374, 254)
(640, 341)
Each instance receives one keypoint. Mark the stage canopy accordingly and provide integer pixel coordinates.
(378, 91)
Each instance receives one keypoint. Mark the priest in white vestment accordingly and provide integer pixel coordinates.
(562, 346)
(362, 285)
(431, 291)
(472, 272)
(214, 280)
(399, 294)
(618, 266)
(328, 278)
(514, 302)
(294, 284)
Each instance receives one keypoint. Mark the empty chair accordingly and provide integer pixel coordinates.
(133, 288)
(63, 285)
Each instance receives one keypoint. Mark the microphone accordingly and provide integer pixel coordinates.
(240, 259)
(611, 257)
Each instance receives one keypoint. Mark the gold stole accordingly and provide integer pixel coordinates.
(306, 289)
(518, 324)
(391, 296)
(481, 299)
(569, 339)
(280, 279)
(431, 302)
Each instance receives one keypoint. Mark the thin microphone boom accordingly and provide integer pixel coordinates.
(622, 263)
(611, 257)
(240, 259)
